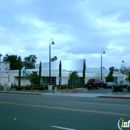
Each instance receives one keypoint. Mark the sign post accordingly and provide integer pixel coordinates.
(24, 75)
(60, 80)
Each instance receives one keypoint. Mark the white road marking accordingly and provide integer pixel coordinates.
(63, 128)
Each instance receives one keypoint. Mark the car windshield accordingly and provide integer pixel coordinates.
(91, 80)
(121, 82)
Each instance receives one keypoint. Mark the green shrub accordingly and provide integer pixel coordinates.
(58, 86)
(45, 87)
(1, 87)
(128, 88)
(27, 87)
(63, 86)
(118, 89)
(41, 88)
(35, 87)
(18, 88)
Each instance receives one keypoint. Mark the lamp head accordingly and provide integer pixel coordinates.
(103, 52)
(55, 57)
(52, 43)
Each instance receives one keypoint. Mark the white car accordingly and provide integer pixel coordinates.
(111, 84)
(127, 83)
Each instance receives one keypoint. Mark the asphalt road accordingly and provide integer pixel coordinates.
(38, 112)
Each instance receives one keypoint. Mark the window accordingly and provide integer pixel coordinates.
(80, 80)
(91, 80)
(46, 80)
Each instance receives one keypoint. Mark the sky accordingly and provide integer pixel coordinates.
(81, 29)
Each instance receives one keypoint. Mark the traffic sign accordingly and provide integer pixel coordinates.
(41, 81)
(60, 79)
(24, 72)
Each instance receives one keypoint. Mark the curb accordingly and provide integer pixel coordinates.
(72, 91)
(114, 97)
(31, 93)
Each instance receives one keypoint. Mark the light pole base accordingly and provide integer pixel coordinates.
(50, 87)
(55, 90)
(5, 87)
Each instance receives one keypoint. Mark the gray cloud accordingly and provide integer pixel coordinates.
(80, 29)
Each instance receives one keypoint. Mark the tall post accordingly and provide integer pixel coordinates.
(0, 57)
(102, 52)
(51, 42)
(101, 65)
(49, 64)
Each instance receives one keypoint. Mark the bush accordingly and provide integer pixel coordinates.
(35, 87)
(41, 88)
(27, 87)
(128, 88)
(1, 87)
(18, 88)
(82, 85)
(64, 86)
(118, 89)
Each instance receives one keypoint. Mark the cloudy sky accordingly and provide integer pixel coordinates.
(81, 29)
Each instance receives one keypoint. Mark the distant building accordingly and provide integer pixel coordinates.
(4, 66)
(11, 76)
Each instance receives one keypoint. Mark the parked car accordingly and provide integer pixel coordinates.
(111, 84)
(123, 84)
(95, 83)
(127, 83)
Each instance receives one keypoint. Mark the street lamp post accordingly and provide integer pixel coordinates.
(0, 57)
(0, 64)
(102, 52)
(50, 43)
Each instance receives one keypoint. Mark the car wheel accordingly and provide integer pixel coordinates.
(89, 87)
(97, 87)
(104, 87)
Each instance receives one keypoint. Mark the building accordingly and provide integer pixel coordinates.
(4, 66)
(11, 76)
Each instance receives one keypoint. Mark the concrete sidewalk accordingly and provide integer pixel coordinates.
(74, 93)
(100, 95)
(21, 92)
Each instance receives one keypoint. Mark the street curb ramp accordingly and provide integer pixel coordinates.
(119, 97)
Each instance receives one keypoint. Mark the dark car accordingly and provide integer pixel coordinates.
(95, 83)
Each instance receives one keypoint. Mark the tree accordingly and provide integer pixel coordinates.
(40, 71)
(73, 77)
(29, 61)
(15, 61)
(33, 78)
(110, 77)
(60, 67)
(84, 71)
(125, 70)
(15, 64)
(20, 66)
